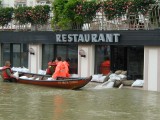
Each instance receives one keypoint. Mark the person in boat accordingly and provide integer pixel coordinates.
(7, 73)
(105, 66)
(51, 67)
(67, 65)
(60, 70)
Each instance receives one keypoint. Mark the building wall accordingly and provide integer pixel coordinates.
(35, 60)
(86, 64)
(11, 3)
(8, 3)
(152, 68)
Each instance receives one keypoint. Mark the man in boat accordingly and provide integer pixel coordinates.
(51, 67)
(66, 63)
(60, 70)
(7, 73)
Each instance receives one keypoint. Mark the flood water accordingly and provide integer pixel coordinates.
(29, 102)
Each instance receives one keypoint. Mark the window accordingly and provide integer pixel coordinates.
(16, 53)
(71, 52)
(101, 52)
(50, 52)
(47, 55)
(5, 53)
(135, 62)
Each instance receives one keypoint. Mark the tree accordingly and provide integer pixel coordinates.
(5, 15)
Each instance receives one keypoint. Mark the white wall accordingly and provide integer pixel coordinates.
(152, 68)
(35, 61)
(8, 3)
(86, 64)
(31, 2)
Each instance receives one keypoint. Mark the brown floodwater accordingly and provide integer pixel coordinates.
(29, 102)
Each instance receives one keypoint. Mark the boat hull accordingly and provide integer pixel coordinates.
(66, 83)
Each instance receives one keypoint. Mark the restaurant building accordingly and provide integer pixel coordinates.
(138, 52)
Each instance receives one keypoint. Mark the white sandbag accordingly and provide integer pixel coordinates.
(31, 78)
(105, 85)
(102, 79)
(109, 85)
(24, 69)
(74, 75)
(16, 74)
(50, 78)
(95, 78)
(122, 76)
(120, 86)
(37, 79)
(114, 77)
(42, 72)
(138, 83)
(23, 77)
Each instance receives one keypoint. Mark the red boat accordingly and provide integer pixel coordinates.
(66, 83)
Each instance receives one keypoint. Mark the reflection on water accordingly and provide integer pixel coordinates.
(28, 102)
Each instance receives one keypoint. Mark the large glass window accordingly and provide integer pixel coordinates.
(16, 53)
(130, 58)
(47, 55)
(64, 51)
(5, 53)
(135, 62)
(101, 52)
(118, 58)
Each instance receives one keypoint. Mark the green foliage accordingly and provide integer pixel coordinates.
(5, 15)
(23, 14)
(36, 15)
(71, 12)
(116, 8)
(40, 14)
(135, 6)
(58, 19)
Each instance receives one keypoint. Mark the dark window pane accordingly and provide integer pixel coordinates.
(5, 53)
(47, 55)
(16, 55)
(71, 52)
(24, 55)
(65, 51)
(135, 62)
(73, 55)
(101, 52)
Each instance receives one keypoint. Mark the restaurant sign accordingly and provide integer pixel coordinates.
(85, 38)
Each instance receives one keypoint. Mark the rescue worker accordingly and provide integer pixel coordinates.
(66, 63)
(60, 70)
(7, 73)
(51, 67)
(105, 66)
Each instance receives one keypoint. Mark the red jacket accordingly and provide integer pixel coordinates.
(51, 68)
(4, 72)
(105, 67)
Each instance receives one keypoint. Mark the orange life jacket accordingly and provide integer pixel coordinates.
(105, 67)
(4, 72)
(60, 70)
(66, 64)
